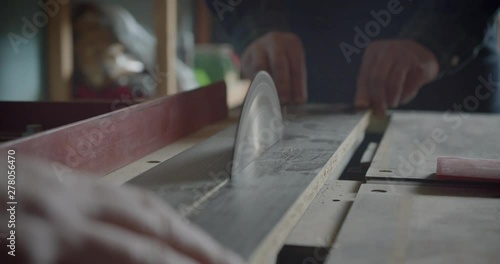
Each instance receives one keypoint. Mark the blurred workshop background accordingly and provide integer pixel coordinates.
(60, 50)
(66, 50)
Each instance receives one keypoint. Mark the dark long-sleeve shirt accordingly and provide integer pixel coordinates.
(459, 32)
(453, 30)
(245, 20)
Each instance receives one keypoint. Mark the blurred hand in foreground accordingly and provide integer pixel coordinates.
(79, 220)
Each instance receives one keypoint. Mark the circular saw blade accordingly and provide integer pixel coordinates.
(261, 122)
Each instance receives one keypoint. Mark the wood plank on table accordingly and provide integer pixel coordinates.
(314, 234)
(416, 223)
(322, 220)
(104, 143)
(312, 237)
(253, 213)
(414, 140)
(140, 166)
(190, 176)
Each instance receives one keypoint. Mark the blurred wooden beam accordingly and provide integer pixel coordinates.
(166, 34)
(203, 23)
(60, 61)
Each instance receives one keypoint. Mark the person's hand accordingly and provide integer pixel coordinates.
(392, 73)
(82, 221)
(281, 55)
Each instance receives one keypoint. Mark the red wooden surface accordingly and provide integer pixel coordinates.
(104, 143)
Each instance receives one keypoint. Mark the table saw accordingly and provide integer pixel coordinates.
(292, 203)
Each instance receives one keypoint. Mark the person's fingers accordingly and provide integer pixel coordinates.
(415, 80)
(363, 90)
(37, 234)
(69, 238)
(246, 59)
(298, 73)
(141, 212)
(189, 238)
(281, 73)
(396, 82)
(253, 61)
(81, 221)
(283, 56)
(105, 243)
(425, 68)
(377, 83)
(396, 69)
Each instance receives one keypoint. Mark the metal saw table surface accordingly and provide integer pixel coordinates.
(393, 217)
(254, 211)
(403, 214)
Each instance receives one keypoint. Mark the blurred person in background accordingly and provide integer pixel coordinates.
(427, 55)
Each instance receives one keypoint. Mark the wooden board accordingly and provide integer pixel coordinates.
(414, 141)
(314, 234)
(323, 218)
(420, 224)
(144, 164)
(102, 144)
(191, 176)
(312, 237)
(165, 12)
(254, 212)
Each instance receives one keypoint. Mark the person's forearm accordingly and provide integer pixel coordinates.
(453, 30)
(246, 20)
